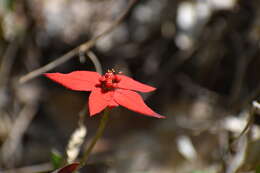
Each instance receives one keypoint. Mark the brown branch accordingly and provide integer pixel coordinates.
(20, 125)
(95, 61)
(7, 61)
(82, 48)
(249, 123)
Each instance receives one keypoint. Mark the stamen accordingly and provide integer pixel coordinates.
(109, 80)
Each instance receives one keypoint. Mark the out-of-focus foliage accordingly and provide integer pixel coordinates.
(56, 159)
(9, 4)
(257, 170)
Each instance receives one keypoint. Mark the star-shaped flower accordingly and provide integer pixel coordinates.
(108, 90)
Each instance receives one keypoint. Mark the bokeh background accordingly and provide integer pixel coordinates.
(201, 55)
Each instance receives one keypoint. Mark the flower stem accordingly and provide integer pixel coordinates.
(99, 133)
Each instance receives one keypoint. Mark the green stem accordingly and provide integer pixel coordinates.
(99, 133)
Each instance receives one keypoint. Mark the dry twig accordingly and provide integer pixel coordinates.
(82, 48)
(20, 125)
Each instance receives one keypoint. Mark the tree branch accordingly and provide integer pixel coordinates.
(82, 48)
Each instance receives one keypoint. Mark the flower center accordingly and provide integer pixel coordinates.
(109, 81)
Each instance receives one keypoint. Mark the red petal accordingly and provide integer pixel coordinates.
(69, 168)
(133, 101)
(131, 84)
(99, 100)
(77, 80)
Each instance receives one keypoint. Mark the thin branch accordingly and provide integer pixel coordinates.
(95, 61)
(21, 124)
(82, 48)
(7, 61)
(242, 144)
(250, 120)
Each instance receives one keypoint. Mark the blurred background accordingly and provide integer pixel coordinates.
(201, 55)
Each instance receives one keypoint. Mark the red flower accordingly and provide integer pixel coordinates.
(109, 90)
